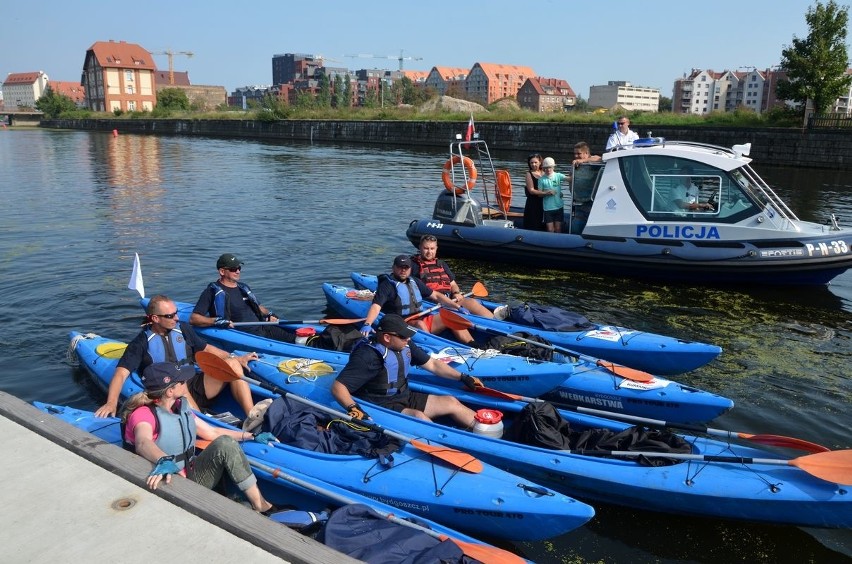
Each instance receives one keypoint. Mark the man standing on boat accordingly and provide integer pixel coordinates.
(622, 136)
(377, 372)
(436, 274)
(400, 294)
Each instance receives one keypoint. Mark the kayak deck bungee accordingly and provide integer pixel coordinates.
(304, 492)
(659, 354)
(726, 489)
(505, 505)
(503, 372)
(586, 384)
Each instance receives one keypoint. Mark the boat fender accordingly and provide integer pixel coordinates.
(447, 175)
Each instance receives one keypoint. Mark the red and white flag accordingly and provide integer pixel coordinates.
(469, 135)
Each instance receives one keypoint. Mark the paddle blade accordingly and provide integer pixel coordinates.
(833, 466)
(786, 442)
(215, 367)
(479, 290)
(341, 321)
(495, 393)
(457, 458)
(625, 372)
(453, 320)
(484, 553)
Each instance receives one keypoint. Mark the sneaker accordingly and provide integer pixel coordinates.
(501, 312)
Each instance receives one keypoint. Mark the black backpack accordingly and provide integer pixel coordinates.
(549, 318)
(509, 345)
(337, 338)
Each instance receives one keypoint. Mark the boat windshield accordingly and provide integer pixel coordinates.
(671, 188)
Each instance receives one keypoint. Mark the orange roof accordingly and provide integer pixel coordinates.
(553, 84)
(451, 73)
(161, 77)
(112, 54)
(22, 77)
(415, 76)
(67, 88)
(493, 70)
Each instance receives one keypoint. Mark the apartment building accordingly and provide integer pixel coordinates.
(446, 79)
(541, 94)
(623, 94)
(488, 82)
(22, 89)
(119, 76)
(703, 91)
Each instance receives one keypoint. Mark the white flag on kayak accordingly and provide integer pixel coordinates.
(136, 278)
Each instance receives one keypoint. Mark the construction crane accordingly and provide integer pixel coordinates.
(400, 58)
(171, 55)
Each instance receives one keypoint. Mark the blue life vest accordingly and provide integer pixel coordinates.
(175, 432)
(408, 298)
(220, 300)
(394, 379)
(158, 346)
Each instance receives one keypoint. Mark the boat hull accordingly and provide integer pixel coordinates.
(770, 494)
(589, 385)
(504, 505)
(659, 354)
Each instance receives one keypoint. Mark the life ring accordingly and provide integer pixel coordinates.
(447, 174)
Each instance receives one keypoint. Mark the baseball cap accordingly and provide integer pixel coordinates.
(161, 375)
(228, 261)
(392, 323)
(402, 260)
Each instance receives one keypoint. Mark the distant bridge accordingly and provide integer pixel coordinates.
(20, 117)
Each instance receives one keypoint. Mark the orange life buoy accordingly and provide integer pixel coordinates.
(447, 175)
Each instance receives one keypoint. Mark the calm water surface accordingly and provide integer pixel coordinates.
(77, 205)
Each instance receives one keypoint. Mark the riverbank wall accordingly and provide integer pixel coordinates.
(826, 149)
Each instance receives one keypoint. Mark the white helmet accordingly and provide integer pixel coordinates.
(548, 162)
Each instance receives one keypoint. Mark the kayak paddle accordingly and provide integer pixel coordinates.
(219, 369)
(770, 440)
(455, 321)
(479, 290)
(304, 322)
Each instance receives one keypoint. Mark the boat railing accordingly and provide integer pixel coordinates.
(483, 182)
(769, 197)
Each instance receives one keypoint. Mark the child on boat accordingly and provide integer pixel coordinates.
(551, 183)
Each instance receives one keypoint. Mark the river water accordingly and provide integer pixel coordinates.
(77, 205)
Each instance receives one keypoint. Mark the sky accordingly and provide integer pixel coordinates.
(647, 43)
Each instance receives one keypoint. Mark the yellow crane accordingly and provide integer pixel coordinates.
(170, 54)
(400, 58)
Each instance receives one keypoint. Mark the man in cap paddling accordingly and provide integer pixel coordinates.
(377, 372)
(228, 300)
(166, 339)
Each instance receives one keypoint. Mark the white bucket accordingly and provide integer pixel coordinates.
(488, 422)
(303, 334)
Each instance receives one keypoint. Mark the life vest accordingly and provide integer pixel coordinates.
(175, 432)
(408, 300)
(433, 274)
(394, 379)
(220, 300)
(159, 345)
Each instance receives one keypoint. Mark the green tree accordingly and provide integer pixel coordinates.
(339, 100)
(347, 96)
(172, 99)
(324, 96)
(665, 104)
(53, 104)
(816, 65)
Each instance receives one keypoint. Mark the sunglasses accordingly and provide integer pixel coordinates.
(398, 336)
(237, 269)
(622, 123)
(166, 315)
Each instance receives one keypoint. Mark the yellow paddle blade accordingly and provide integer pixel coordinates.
(304, 367)
(111, 350)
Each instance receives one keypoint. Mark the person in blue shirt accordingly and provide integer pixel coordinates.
(551, 184)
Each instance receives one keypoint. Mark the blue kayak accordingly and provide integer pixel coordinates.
(587, 384)
(302, 491)
(729, 488)
(503, 372)
(650, 352)
(504, 505)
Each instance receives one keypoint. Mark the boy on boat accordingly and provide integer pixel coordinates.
(554, 204)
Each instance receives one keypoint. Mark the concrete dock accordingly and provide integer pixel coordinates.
(70, 497)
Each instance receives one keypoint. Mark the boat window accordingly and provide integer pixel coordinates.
(672, 188)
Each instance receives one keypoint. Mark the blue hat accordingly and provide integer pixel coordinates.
(161, 375)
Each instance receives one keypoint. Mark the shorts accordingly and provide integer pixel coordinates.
(398, 402)
(553, 216)
(196, 390)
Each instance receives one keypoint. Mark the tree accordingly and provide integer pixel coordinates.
(53, 104)
(665, 104)
(324, 96)
(339, 100)
(816, 66)
(347, 92)
(172, 99)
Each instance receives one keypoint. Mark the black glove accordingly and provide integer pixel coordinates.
(221, 323)
(471, 382)
(355, 412)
